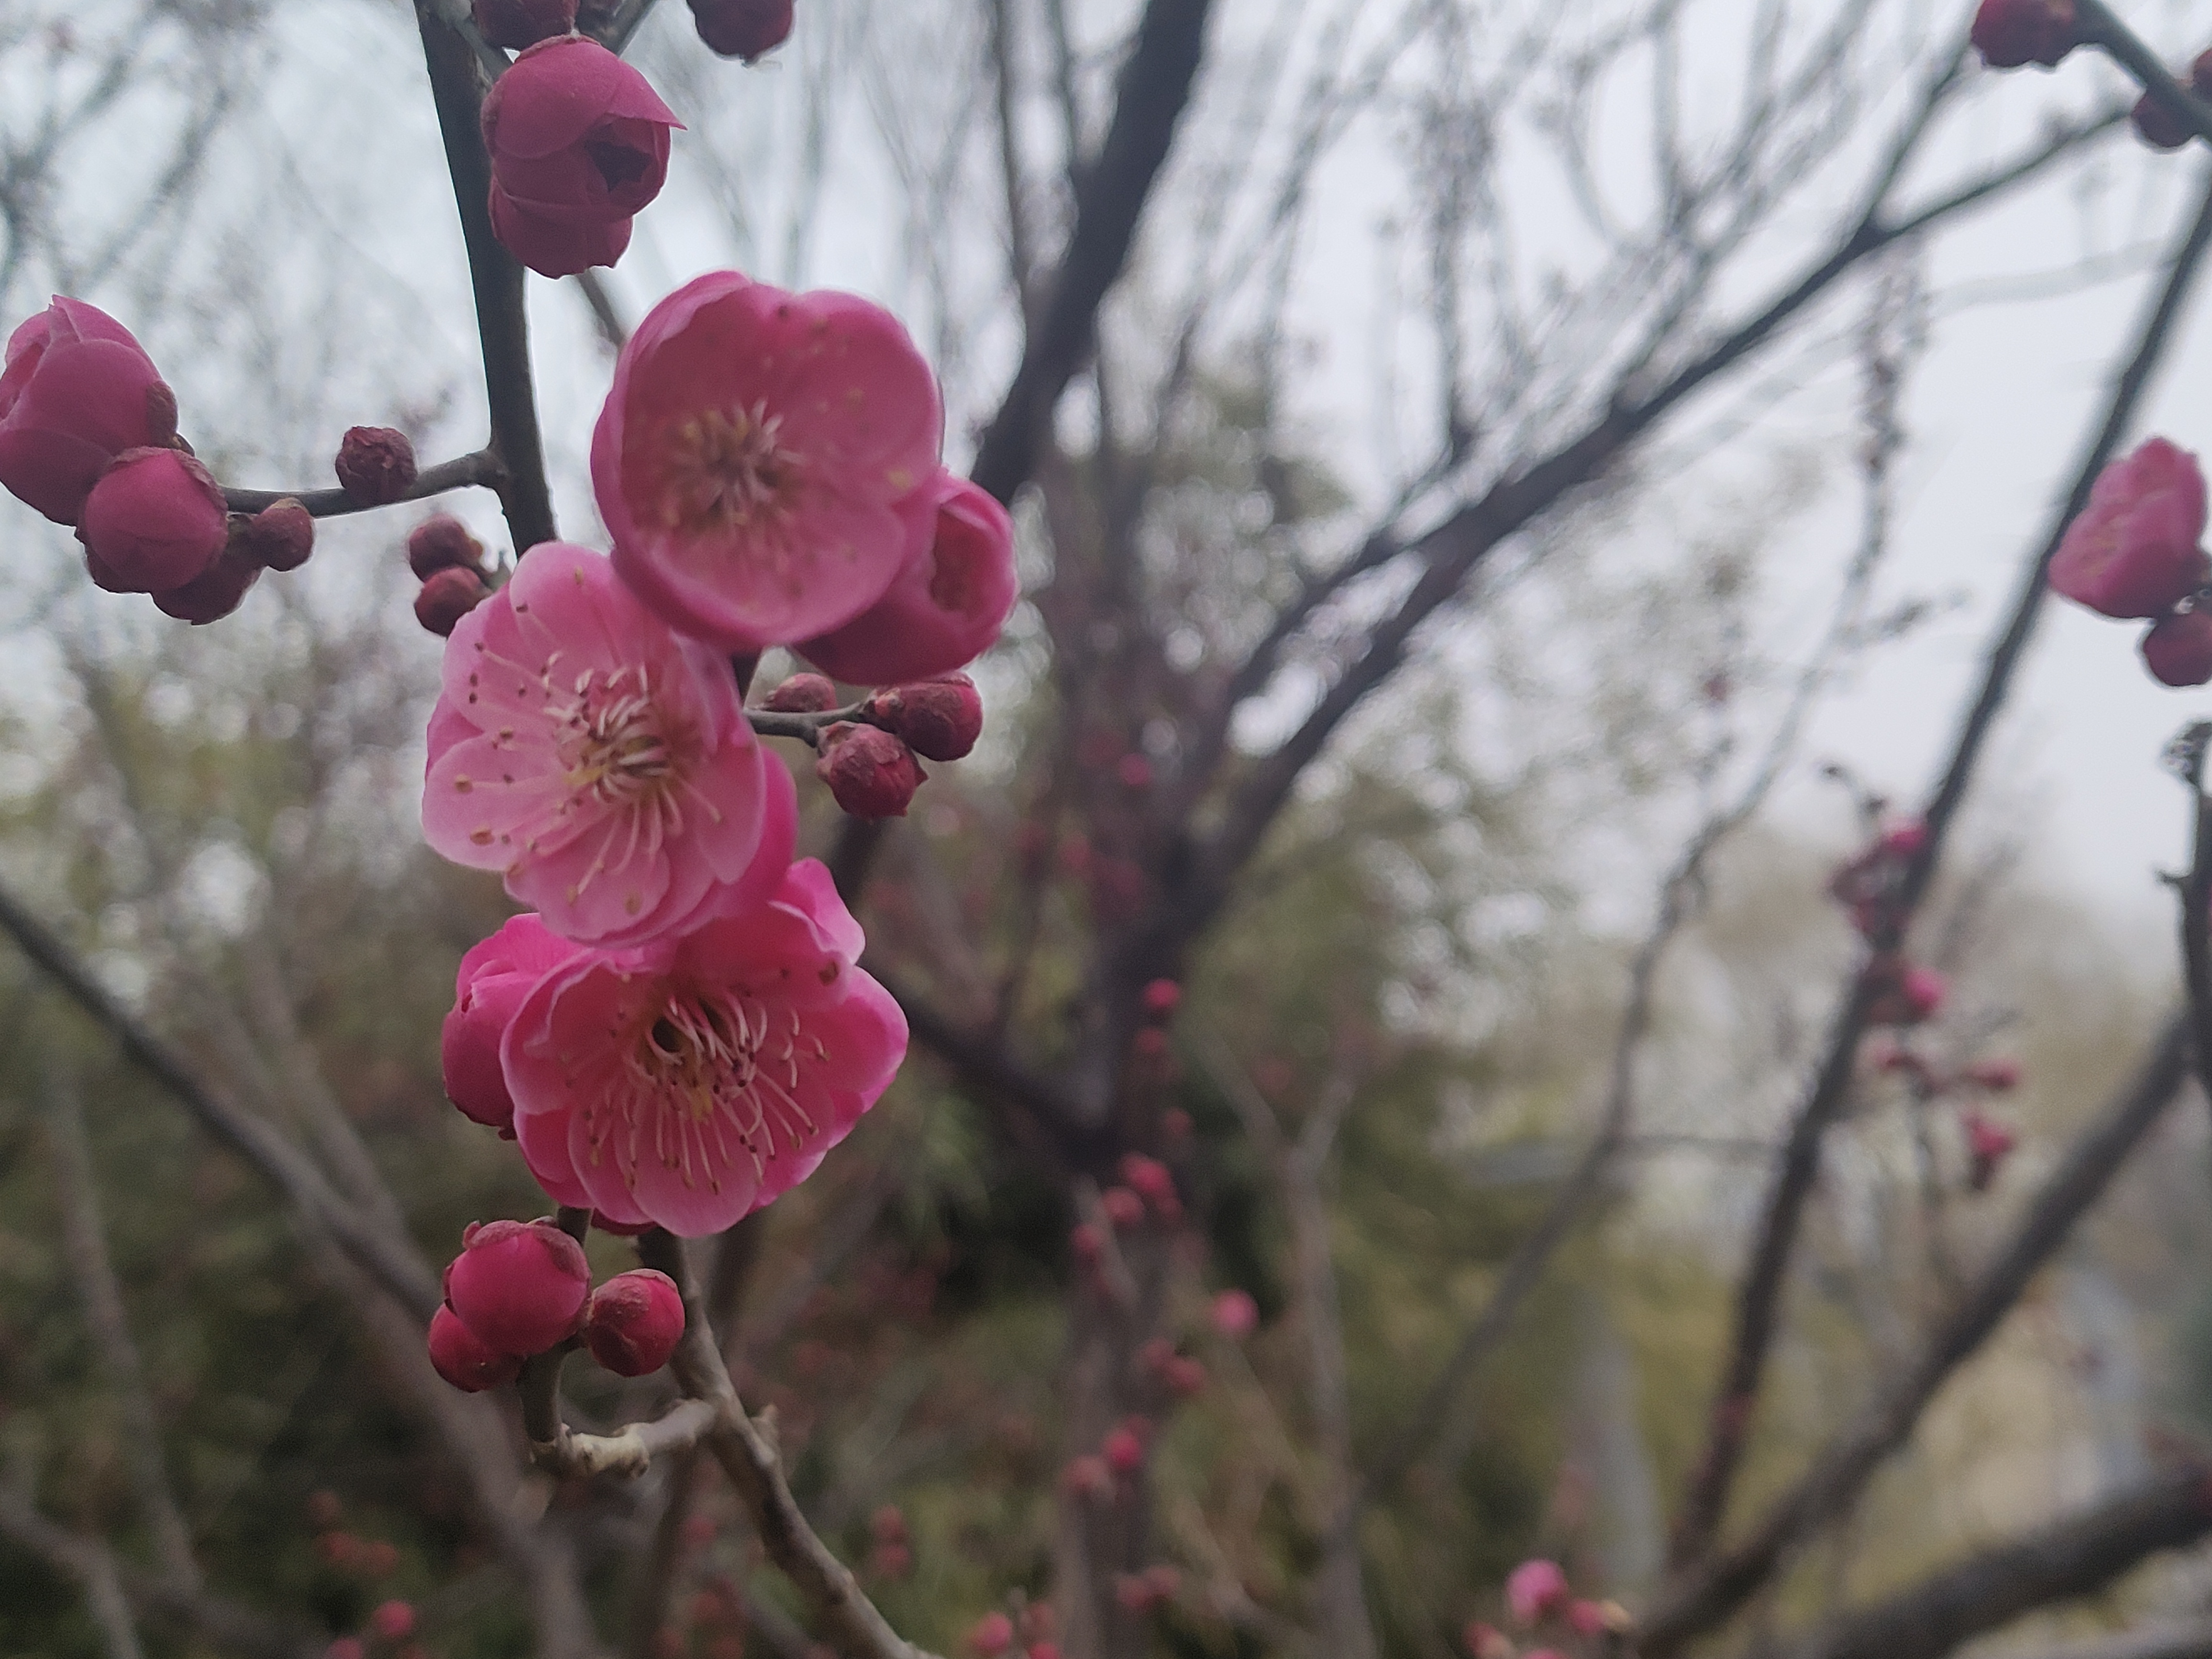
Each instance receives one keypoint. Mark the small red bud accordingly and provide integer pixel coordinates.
(1087, 1244)
(213, 594)
(992, 1635)
(633, 1321)
(1175, 1126)
(375, 465)
(1149, 1178)
(1134, 1594)
(1236, 1314)
(1121, 1206)
(742, 28)
(1123, 1451)
(442, 542)
(280, 537)
(1134, 771)
(466, 1359)
(448, 596)
(514, 24)
(940, 719)
(871, 773)
(888, 1525)
(2178, 650)
(1087, 1476)
(2009, 33)
(394, 1621)
(519, 1285)
(802, 694)
(2158, 126)
(1162, 997)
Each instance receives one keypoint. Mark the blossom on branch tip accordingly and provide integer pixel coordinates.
(77, 391)
(602, 764)
(762, 460)
(449, 595)
(947, 603)
(466, 1359)
(1535, 1590)
(2010, 33)
(514, 24)
(2178, 649)
(375, 465)
(579, 145)
(742, 28)
(155, 520)
(633, 1321)
(695, 1079)
(940, 719)
(871, 774)
(2133, 551)
(519, 1285)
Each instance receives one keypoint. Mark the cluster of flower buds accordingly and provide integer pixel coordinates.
(2134, 553)
(1868, 885)
(449, 561)
(1539, 1599)
(1988, 1141)
(89, 437)
(523, 1288)
(1902, 993)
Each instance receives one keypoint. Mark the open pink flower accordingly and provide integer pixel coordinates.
(693, 1080)
(761, 459)
(602, 764)
(77, 391)
(946, 608)
(2133, 551)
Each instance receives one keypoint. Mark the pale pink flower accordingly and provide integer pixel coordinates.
(603, 764)
(2133, 550)
(762, 460)
(1535, 1590)
(693, 1080)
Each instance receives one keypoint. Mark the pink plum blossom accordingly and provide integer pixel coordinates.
(2133, 550)
(762, 457)
(1535, 1590)
(495, 975)
(77, 391)
(603, 765)
(695, 1079)
(946, 608)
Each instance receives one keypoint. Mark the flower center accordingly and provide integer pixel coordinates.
(728, 470)
(618, 750)
(713, 1077)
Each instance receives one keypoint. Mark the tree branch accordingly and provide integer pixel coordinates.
(2185, 757)
(2167, 1642)
(2097, 24)
(1110, 195)
(482, 468)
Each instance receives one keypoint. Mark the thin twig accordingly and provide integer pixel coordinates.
(2185, 756)
(483, 469)
(2097, 24)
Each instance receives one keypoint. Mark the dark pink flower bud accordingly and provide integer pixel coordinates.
(1087, 1476)
(1123, 1451)
(1236, 1314)
(1989, 1143)
(871, 774)
(2158, 126)
(1998, 1076)
(1162, 997)
(2178, 649)
(947, 603)
(519, 1285)
(742, 28)
(495, 976)
(213, 594)
(579, 144)
(803, 694)
(2133, 550)
(448, 596)
(1903, 994)
(155, 520)
(1924, 991)
(394, 1621)
(1121, 1206)
(1535, 1590)
(992, 1635)
(1186, 1377)
(280, 537)
(375, 465)
(2009, 33)
(77, 391)
(514, 24)
(1149, 1178)
(633, 1321)
(1903, 841)
(442, 542)
(940, 719)
(466, 1359)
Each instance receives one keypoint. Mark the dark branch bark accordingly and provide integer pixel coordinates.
(457, 86)
(2098, 26)
(2071, 1558)
(1110, 195)
(2169, 1642)
(1696, 1604)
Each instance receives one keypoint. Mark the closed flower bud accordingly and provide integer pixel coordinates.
(1123, 1451)
(742, 28)
(447, 597)
(633, 1321)
(1121, 1206)
(1236, 1314)
(940, 719)
(280, 537)
(1162, 997)
(802, 694)
(495, 976)
(2158, 126)
(519, 1285)
(466, 1359)
(992, 1635)
(213, 594)
(2009, 33)
(1535, 1590)
(394, 1621)
(2178, 649)
(375, 465)
(155, 520)
(442, 542)
(514, 24)
(871, 773)
(78, 390)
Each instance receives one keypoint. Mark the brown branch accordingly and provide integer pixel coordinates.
(2097, 24)
(2164, 1642)
(604, 317)
(1757, 1303)
(630, 1450)
(2073, 1557)
(457, 86)
(482, 468)
(747, 1452)
(392, 1261)
(1110, 195)
(1696, 1603)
